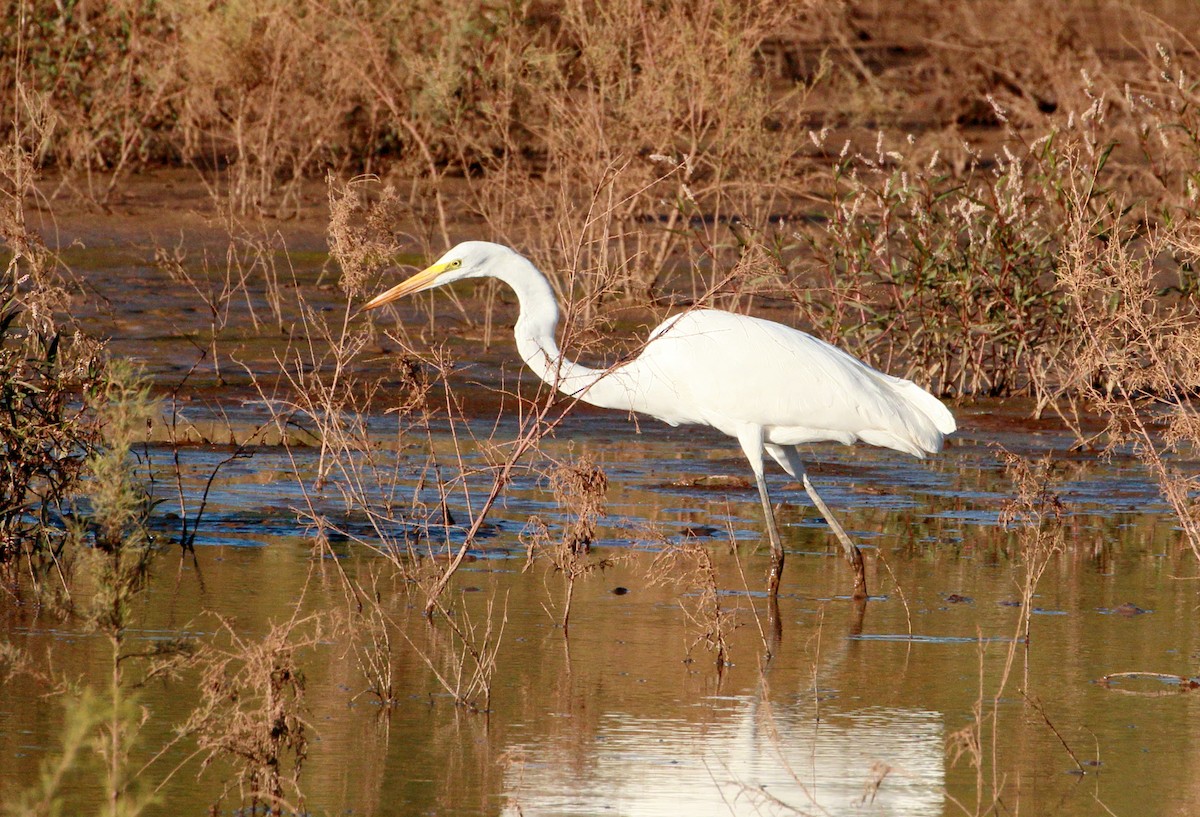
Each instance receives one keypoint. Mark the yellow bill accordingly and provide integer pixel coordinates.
(423, 280)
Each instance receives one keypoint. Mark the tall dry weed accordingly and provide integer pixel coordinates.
(1138, 355)
(48, 425)
(689, 566)
(579, 488)
(251, 710)
(1035, 514)
(103, 75)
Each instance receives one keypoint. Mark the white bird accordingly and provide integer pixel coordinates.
(767, 385)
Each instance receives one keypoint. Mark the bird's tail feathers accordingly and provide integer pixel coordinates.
(927, 404)
(925, 421)
(916, 444)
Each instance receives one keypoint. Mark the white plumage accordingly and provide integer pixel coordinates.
(769, 386)
(709, 367)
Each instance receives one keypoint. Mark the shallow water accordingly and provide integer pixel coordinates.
(629, 715)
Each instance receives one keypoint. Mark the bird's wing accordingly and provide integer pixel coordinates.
(729, 371)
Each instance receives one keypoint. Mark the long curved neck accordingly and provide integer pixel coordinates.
(535, 334)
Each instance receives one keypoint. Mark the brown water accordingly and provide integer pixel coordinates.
(629, 716)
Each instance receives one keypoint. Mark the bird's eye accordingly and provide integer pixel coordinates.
(455, 264)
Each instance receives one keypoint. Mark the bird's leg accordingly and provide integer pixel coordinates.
(773, 533)
(851, 549)
(789, 458)
(751, 440)
(774, 621)
(774, 628)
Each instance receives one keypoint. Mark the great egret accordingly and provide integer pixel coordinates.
(767, 385)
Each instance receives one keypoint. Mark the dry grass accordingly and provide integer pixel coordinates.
(579, 488)
(251, 711)
(693, 151)
(1135, 358)
(1033, 229)
(689, 566)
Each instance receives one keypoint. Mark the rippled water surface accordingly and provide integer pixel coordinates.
(856, 713)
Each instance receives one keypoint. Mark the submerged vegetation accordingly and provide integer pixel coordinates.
(989, 213)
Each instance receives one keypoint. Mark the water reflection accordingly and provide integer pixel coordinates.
(621, 723)
(752, 759)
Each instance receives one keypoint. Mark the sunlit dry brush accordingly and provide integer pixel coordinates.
(267, 94)
(389, 475)
(689, 567)
(271, 92)
(101, 77)
(251, 712)
(941, 279)
(318, 387)
(1036, 512)
(322, 388)
(648, 130)
(363, 232)
(579, 488)
(1126, 265)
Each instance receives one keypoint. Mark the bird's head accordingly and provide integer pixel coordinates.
(470, 259)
